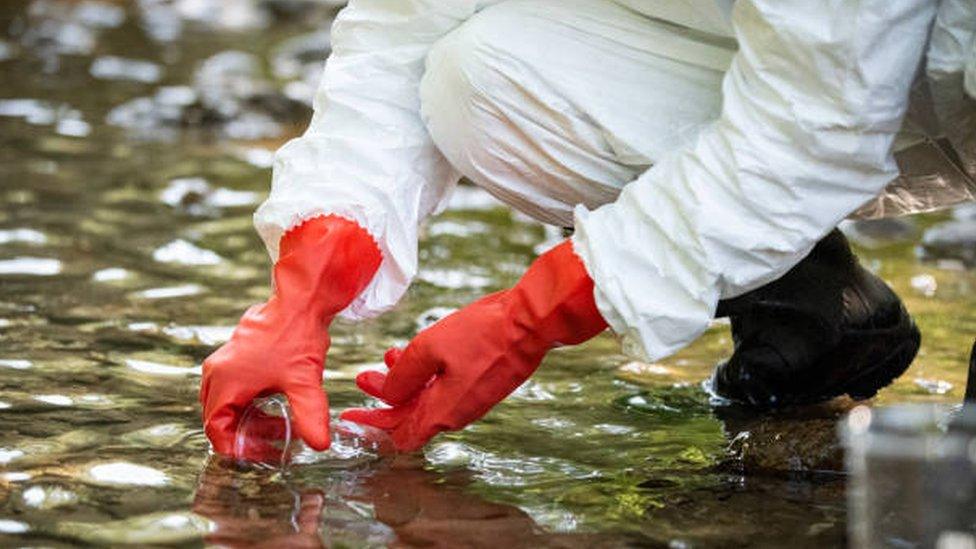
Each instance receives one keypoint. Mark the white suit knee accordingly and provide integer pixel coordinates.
(513, 100)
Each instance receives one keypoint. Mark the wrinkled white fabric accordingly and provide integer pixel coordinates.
(553, 103)
(811, 106)
(366, 155)
(709, 16)
(545, 129)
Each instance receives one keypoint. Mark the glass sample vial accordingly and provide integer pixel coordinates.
(265, 437)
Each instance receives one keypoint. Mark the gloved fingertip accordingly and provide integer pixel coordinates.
(221, 438)
(392, 356)
(384, 418)
(310, 410)
(411, 374)
(315, 436)
(356, 415)
(371, 382)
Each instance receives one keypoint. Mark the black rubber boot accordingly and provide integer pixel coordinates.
(826, 328)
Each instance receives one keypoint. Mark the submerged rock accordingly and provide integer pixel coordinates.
(738, 512)
(799, 440)
(954, 239)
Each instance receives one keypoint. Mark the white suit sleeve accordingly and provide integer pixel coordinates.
(366, 155)
(811, 105)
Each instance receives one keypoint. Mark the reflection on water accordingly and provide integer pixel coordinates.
(127, 255)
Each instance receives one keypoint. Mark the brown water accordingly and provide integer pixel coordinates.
(115, 284)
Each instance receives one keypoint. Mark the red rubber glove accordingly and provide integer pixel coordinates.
(280, 346)
(452, 373)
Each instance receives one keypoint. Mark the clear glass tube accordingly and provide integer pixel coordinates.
(913, 476)
(266, 438)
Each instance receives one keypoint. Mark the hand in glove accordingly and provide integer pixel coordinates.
(280, 346)
(454, 372)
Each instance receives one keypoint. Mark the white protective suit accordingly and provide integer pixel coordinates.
(700, 148)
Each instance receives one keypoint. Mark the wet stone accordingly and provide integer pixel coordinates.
(800, 440)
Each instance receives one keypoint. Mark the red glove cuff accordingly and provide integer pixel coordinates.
(324, 263)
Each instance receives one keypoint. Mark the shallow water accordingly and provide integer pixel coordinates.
(127, 255)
